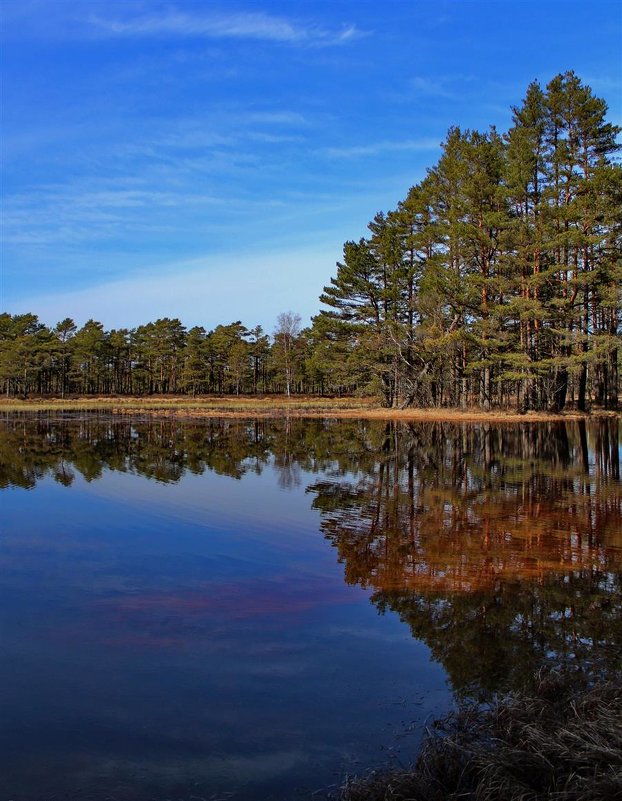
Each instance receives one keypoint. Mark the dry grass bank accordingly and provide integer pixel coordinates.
(560, 743)
(276, 406)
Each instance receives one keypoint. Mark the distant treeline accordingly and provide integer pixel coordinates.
(161, 357)
(497, 281)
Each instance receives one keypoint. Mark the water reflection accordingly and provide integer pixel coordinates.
(500, 547)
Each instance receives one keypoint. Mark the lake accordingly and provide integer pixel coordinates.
(254, 609)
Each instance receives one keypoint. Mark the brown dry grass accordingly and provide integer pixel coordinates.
(561, 742)
(276, 407)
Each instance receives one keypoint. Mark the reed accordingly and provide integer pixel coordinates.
(560, 742)
(275, 406)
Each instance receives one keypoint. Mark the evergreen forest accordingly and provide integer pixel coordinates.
(496, 282)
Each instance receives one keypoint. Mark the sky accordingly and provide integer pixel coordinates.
(207, 160)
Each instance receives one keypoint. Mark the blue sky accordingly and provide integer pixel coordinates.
(207, 160)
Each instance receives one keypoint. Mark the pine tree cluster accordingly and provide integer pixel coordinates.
(497, 281)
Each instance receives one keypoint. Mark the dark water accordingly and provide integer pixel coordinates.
(191, 610)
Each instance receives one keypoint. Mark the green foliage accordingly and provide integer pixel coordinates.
(497, 280)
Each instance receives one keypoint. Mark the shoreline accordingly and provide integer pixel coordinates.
(559, 739)
(278, 407)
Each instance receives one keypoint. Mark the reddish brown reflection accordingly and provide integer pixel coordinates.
(500, 547)
(460, 509)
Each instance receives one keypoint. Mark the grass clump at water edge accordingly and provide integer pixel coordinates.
(560, 742)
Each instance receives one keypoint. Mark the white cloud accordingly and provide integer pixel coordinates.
(74, 213)
(207, 291)
(275, 118)
(250, 25)
(426, 88)
(430, 87)
(357, 151)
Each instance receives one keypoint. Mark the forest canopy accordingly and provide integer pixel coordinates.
(496, 281)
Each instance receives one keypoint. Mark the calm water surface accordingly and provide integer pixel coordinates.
(252, 609)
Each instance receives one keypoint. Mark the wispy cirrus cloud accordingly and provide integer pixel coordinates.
(373, 149)
(73, 213)
(204, 290)
(438, 89)
(241, 25)
(430, 87)
(283, 117)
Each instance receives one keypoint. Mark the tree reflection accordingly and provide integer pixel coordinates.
(162, 450)
(33, 447)
(499, 546)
